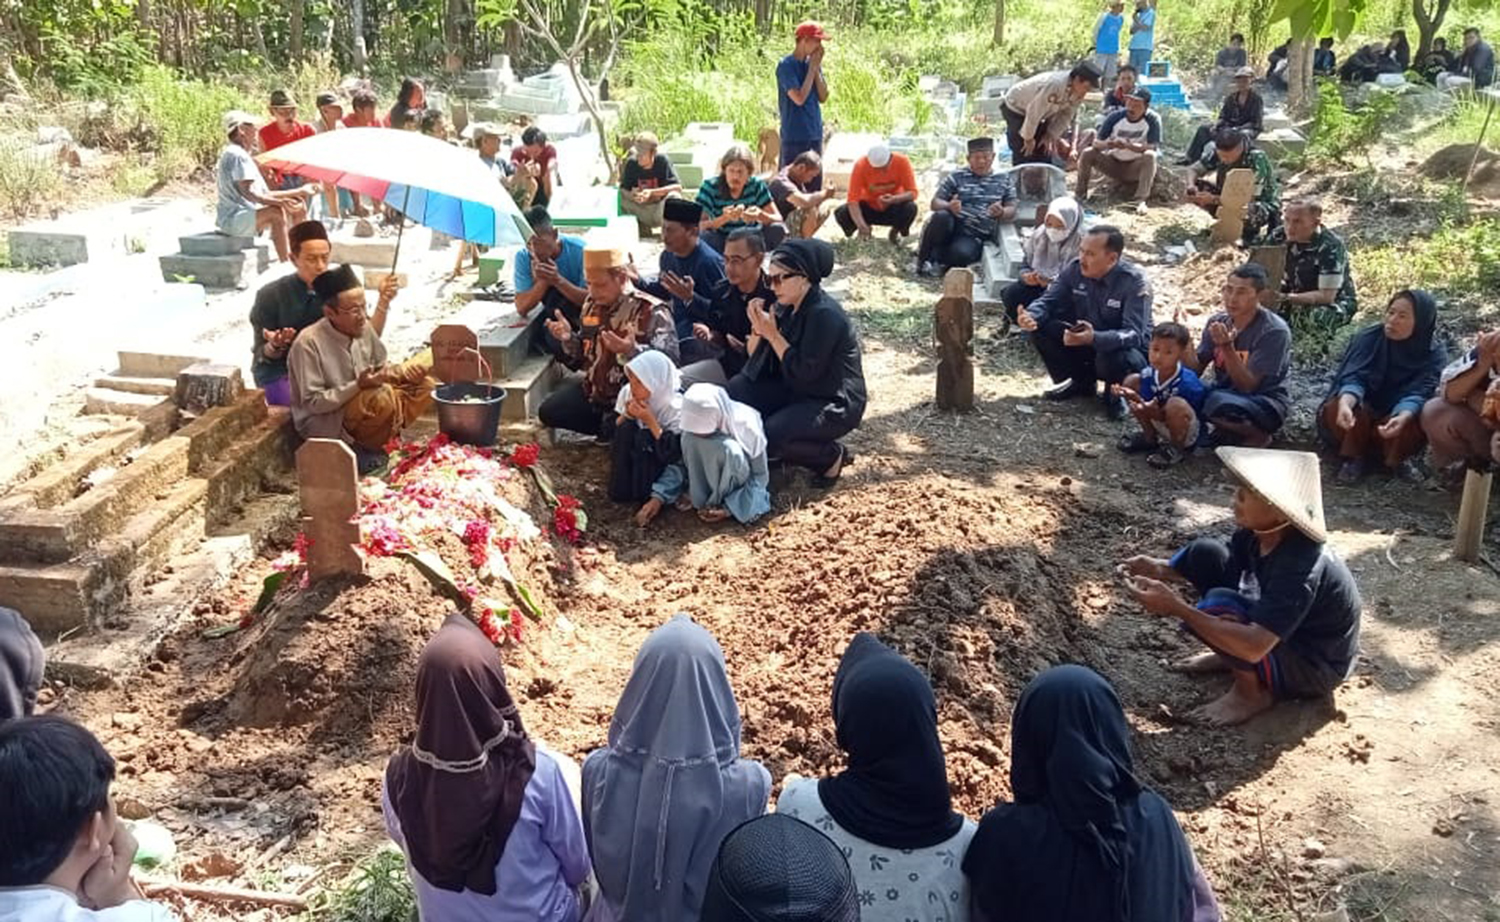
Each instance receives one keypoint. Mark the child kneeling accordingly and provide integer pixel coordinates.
(724, 454)
(1166, 398)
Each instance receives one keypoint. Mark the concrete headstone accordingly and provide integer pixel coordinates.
(455, 354)
(328, 485)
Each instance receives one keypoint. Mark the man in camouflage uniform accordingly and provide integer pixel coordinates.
(1316, 283)
(616, 324)
(1233, 150)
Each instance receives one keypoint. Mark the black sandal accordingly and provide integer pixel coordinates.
(1136, 443)
(826, 481)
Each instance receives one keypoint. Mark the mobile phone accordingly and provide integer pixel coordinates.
(1078, 327)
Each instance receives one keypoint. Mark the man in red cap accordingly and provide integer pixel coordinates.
(801, 92)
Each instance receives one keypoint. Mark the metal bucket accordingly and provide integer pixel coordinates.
(468, 420)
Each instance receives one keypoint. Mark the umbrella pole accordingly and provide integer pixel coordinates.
(400, 229)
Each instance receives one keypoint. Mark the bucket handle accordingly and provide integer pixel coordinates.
(484, 367)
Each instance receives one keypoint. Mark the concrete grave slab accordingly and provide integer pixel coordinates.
(132, 226)
(455, 354)
(506, 342)
(328, 485)
(234, 271)
(1037, 184)
(213, 243)
(206, 385)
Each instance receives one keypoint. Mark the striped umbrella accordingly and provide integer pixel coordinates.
(432, 182)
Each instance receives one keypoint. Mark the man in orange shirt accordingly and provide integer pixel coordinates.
(283, 128)
(882, 190)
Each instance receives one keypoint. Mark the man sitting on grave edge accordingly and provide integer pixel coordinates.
(1094, 322)
(967, 210)
(801, 206)
(647, 180)
(342, 387)
(1243, 109)
(1316, 286)
(1233, 150)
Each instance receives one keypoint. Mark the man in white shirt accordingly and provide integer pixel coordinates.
(246, 205)
(64, 856)
(1125, 149)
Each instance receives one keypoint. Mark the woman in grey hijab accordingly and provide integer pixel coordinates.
(660, 798)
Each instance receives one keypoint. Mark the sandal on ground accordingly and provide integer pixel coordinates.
(1136, 443)
(1166, 456)
(826, 481)
(713, 515)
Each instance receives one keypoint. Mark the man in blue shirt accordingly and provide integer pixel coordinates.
(800, 94)
(1094, 321)
(1142, 36)
(690, 269)
(1107, 39)
(549, 272)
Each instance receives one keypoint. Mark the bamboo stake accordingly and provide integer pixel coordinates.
(155, 888)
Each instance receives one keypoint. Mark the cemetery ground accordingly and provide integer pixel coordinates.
(981, 545)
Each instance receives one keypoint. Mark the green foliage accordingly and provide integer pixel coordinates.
(377, 890)
(1316, 18)
(27, 181)
(178, 119)
(1338, 135)
(1459, 259)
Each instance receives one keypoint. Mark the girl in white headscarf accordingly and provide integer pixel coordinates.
(660, 798)
(724, 452)
(646, 461)
(1052, 245)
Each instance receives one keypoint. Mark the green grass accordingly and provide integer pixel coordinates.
(377, 890)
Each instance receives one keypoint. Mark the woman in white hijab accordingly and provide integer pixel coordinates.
(646, 460)
(724, 452)
(1052, 245)
(661, 797)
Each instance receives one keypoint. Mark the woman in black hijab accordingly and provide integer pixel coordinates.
(1374, 406)
(484, 815)
(1083, 841)
(889, 810)
(805, 374)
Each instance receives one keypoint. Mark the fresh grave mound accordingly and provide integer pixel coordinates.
(451, 528)
(1452, 163)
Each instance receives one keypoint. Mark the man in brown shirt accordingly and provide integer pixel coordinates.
(617, 323)
(342, 387)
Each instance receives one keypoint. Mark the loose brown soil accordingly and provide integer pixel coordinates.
(981, 546)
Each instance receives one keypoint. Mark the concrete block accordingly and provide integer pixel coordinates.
(100, 401)
(210, 435)
(47, 243)
(374, 278)
(691, 174)
(155, 365)
(997, 85)
(1283, 142)
(118, 229)
(528, 386)
(586, 206)
(329, 488)
(490, 266)
(103, 509)
(506, 343)
(235, 271)
(213, 243)
(55, 598)
(238, 472)
(206, 385)
(160, 387)
(38, 536)
(1001, 262)
(362, 251)
(566, 125)
(1036, 184)
(59, 481)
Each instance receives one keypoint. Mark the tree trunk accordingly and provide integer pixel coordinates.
(294, 38)
(1429, 21)
(999, 36)
(763, 16)
(1299, 78)
(257, 33)
(453, 58)
(357, 34)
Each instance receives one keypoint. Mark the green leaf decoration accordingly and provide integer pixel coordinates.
(268, 590)
(437, 573)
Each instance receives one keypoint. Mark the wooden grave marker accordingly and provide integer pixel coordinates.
(328, 484)
(455, 354)
(1239, 188)
(1468, 531)
(953, 323)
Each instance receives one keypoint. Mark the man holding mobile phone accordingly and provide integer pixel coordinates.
(1093, 322)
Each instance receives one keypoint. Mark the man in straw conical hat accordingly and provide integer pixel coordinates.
(1278, 608)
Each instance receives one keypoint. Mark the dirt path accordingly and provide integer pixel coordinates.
(981, 546)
